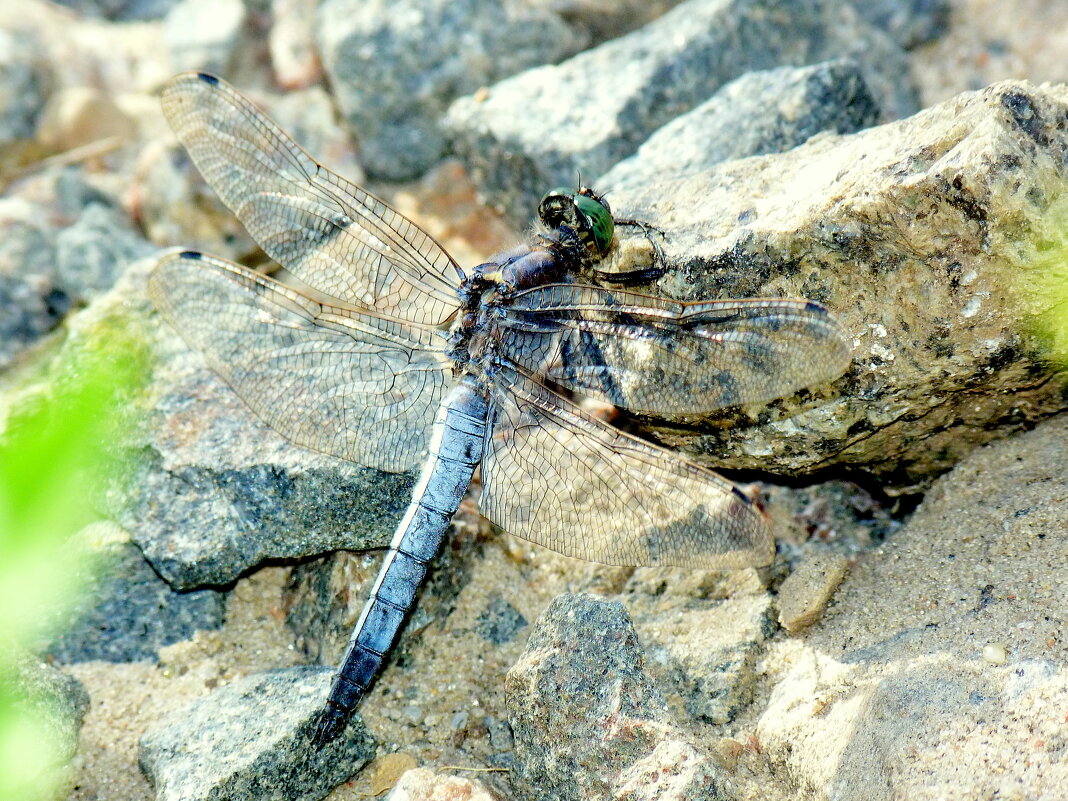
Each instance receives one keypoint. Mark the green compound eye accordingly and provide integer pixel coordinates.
(598, 221)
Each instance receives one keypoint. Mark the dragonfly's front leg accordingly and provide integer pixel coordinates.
(455, 450)
(645, 274)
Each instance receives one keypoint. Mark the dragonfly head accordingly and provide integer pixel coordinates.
(585, 213)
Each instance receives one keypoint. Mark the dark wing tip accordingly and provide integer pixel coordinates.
(207, 77)
(741, 495)
(191, 254)
(813, 306)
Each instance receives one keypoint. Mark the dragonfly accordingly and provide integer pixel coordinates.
(371, 343)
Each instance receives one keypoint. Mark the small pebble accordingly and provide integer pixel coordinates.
(996, 654)
(806, 592)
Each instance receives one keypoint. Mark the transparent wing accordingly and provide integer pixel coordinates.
(558, 477)
(662, 356)
(338, 380)
(334, 236)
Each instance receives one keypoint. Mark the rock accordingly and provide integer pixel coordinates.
(211, 491)
(120, 10)
(294, 55)
(253, 739)
(909, 22)
(25, 83)
(500, 623)
(93, 252)
(30, 307)
(539, 129)
(393, 82)
(808, 589)
(80, 115)
(423, 784)
(768, 111)
(891, 694)
(602, 21)
(54, 701)
(125, 612)
(387, 769)
(922, 237)
(204, 34)
(588, 721)
(709, 654)
(841, 515)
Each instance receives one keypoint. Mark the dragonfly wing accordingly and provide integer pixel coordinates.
(331, 234)
(661, 356)
(556, 476)
(337, 380)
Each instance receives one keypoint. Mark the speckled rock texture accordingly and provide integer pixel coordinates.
(213, 492)
(588, 722)
(125, 611)
(920, 236)
(393, 82)
(541, 128)
(252, 739)
(778, 110)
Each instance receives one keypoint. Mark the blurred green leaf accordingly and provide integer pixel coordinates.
(54, 454)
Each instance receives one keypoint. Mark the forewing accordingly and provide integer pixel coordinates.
(661, 356)
(330, 233)
(337, 380)
(554, 475)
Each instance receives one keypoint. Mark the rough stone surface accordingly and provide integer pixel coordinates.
(588, 722)
(890, 695)
(768, 111)
(393, 82)
(808, 589)
(212, 491)
(204, 34)
(78, 116)
(539, 129)
(120, 10)
(294, 55)
(708, 654)
(95, 250)
(24, 85)
(54, 699)
(30, 307)
(252, 739)
(909, 22)
(920, 235)
(127, 612)
(601, 21)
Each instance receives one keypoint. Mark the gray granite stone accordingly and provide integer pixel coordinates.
(393, 81)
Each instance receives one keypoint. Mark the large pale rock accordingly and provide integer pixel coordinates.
(766, 111)
(922, 236)
(941, 669)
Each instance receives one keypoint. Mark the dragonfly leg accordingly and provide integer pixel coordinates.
(646, 274)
